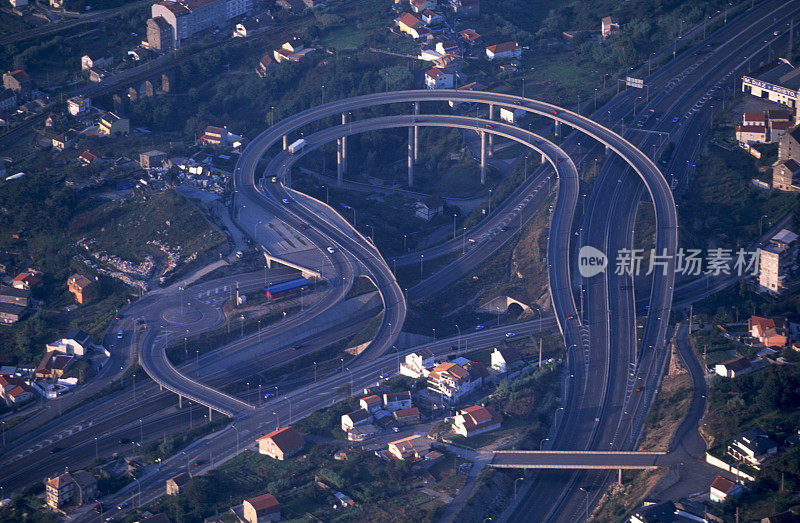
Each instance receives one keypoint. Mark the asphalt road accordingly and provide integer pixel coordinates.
(610, 311)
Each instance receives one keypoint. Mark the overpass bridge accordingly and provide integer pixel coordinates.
(581, 460)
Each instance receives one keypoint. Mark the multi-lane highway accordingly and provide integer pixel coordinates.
(598, 362)
(679, 96)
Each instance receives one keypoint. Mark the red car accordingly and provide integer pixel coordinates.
(553, 111)
(638, 389)
(489, 126)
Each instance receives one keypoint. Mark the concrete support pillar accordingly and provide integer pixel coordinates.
(180, 401)
(544, 159)
(344, 144)
(416, 135)
(557, 128)
(285, 142)
(608, 150)
(268, 261)
(411, 156)
(619, 477)
(491, 136)
(209, 413)
(483, 157)
(339, 160)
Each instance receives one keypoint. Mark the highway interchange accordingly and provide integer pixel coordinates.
(602, 342)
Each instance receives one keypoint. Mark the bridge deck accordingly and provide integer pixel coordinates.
(578, 460)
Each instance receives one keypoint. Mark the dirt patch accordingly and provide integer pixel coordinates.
(619, 501)
(669, 407)
(492, 495)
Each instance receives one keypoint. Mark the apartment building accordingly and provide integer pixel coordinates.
(775, 261)
(187, 18)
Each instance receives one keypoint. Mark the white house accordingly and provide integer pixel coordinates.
(733, 368)
(78, 105)
(429, 207)
(447, 47)
(355, 418)
(721, 488)
(98, 61)
(753, 447)
(418, 364)
(452, 381)
(370, 403)
(439, 78)
(476, 420)
(411, 25)
(75, 343)
(431, 17)
(504, 360)
(397, 400)
(504, 50)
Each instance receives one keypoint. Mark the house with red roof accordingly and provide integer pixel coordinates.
(504, 50)
(470, 36)
(27, 280)
(418, 6)
(261, 509)
(476, 420)
(772, 332)
(14, 390)
(439, 78)
(411, 25)
(371, 403)
(407, 416)
(608, 27)
(721, 488)
(87, 157)
(281, 443)
(450, 381)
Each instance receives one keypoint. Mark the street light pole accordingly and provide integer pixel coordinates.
(515, 486)
(587, 501)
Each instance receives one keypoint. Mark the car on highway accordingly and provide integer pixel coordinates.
(198, 462)
(553, 111)
(274, 179)
(675, 119)
(119, 335)
(330, 250)
(285, 201)
(122, 506)
(478, 327)
(776, 33)
(56, 449)
(123, 441)
(510, 334)
(489, 126)
(570, 316)
(395, 429)
(638, 388)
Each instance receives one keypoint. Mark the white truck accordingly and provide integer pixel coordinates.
(297, 146)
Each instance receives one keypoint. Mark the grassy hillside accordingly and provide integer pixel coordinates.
(125, 228)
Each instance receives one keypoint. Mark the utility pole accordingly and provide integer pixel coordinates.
(540, 353)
